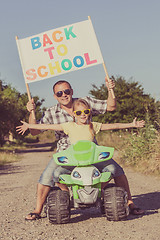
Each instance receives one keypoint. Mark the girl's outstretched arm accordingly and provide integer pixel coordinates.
(134, 124)
(21, 129)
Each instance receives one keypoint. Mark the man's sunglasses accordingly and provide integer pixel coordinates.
(60, 93)
(79, 112)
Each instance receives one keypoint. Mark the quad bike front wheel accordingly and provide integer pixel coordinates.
(58, 205)
(115, 203)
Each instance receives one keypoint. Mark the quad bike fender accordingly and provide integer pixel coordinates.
(83, 153)
(66, 179)
(105, 177)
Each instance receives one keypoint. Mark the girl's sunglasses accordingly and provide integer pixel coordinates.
(79, 112)
(60, 93)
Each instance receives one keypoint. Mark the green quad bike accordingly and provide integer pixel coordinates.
(85, 184)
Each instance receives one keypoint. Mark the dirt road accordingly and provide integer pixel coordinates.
(18, 188)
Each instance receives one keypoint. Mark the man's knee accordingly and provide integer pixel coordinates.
(114, 168)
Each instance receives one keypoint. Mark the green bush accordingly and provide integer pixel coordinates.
(142, 149)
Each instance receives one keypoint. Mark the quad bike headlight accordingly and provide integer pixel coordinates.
(103, 155)
(96, 173)
(76, 174)
(62, 159)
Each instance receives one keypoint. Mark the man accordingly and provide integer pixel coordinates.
(63, 112)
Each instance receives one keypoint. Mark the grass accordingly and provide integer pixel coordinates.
(6, 158)
(47, 136)
(142, 151)
(112, 138)
(139, 150)
(115, 139)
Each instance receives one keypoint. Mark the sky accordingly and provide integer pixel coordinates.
(127, 31)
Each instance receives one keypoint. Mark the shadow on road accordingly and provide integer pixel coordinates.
(150, 202)
(78, 215)
(10, 169)
(38, 147)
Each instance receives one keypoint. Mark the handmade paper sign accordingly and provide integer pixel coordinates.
(59, 51)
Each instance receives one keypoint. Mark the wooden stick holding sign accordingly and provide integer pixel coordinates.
(27, 86)
(105, 69)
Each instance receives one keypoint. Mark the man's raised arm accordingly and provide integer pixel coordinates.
(111, 101)
(30, 107)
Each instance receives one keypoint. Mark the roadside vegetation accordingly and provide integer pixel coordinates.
(9, 151)
(138, 148)
(6, 158)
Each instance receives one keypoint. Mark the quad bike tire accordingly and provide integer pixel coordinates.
(58, 205)
(115, 203)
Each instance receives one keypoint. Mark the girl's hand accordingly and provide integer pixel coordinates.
(138, 124)
(21, 129)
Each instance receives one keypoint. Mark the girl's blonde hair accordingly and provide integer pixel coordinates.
(80, 101)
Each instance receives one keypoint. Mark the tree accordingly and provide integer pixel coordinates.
(131, 102)
(157, 104)
(13, 109)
